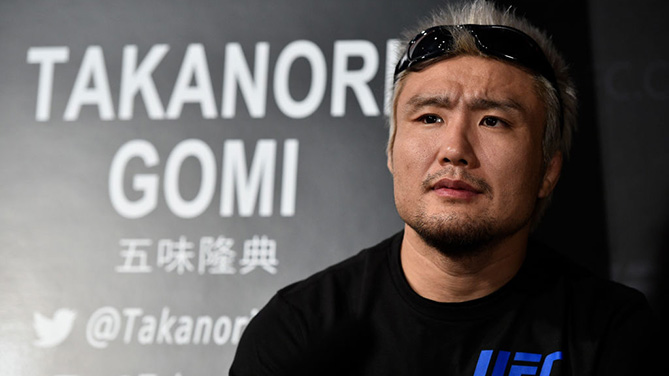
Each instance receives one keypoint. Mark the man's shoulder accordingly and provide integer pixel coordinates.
(582, 286)
(301, 323)
(600, 313)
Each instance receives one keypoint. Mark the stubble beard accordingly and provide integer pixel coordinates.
(459, 236)
(455, 237)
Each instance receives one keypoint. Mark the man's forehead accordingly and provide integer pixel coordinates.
(479, 82)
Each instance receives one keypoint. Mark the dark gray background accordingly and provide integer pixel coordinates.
(59, 235)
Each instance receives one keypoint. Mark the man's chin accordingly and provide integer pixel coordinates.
(456, 237)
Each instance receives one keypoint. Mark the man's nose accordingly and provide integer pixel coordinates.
(456, 147)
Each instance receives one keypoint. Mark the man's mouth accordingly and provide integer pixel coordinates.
(457, 189)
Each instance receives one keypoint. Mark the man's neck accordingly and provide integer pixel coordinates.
(438, 277)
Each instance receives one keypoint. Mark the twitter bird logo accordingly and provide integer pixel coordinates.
(53, 331)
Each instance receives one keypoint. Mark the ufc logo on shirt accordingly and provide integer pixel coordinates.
(523, 363)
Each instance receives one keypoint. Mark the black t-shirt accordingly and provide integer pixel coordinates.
(361, 317)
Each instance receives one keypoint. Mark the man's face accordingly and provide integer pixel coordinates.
(467, 156)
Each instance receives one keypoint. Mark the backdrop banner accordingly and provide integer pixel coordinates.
(167, 166)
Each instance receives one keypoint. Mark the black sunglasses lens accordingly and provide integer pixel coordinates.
(512, 45)
(434, 41)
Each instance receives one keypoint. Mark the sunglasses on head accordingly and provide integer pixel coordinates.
(502, 42)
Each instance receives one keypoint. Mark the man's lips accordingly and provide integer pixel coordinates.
(455, 189)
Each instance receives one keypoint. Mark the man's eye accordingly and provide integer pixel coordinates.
(490, 121)
(430, 119)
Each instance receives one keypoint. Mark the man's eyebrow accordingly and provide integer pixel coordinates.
(419, 101)
(503, 104)
(479, 103)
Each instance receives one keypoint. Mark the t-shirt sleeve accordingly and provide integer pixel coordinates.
(272, 343)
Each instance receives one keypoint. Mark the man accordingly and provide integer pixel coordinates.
(482, 117)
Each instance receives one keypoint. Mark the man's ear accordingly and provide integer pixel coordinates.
(551, 175)
(390, 161)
